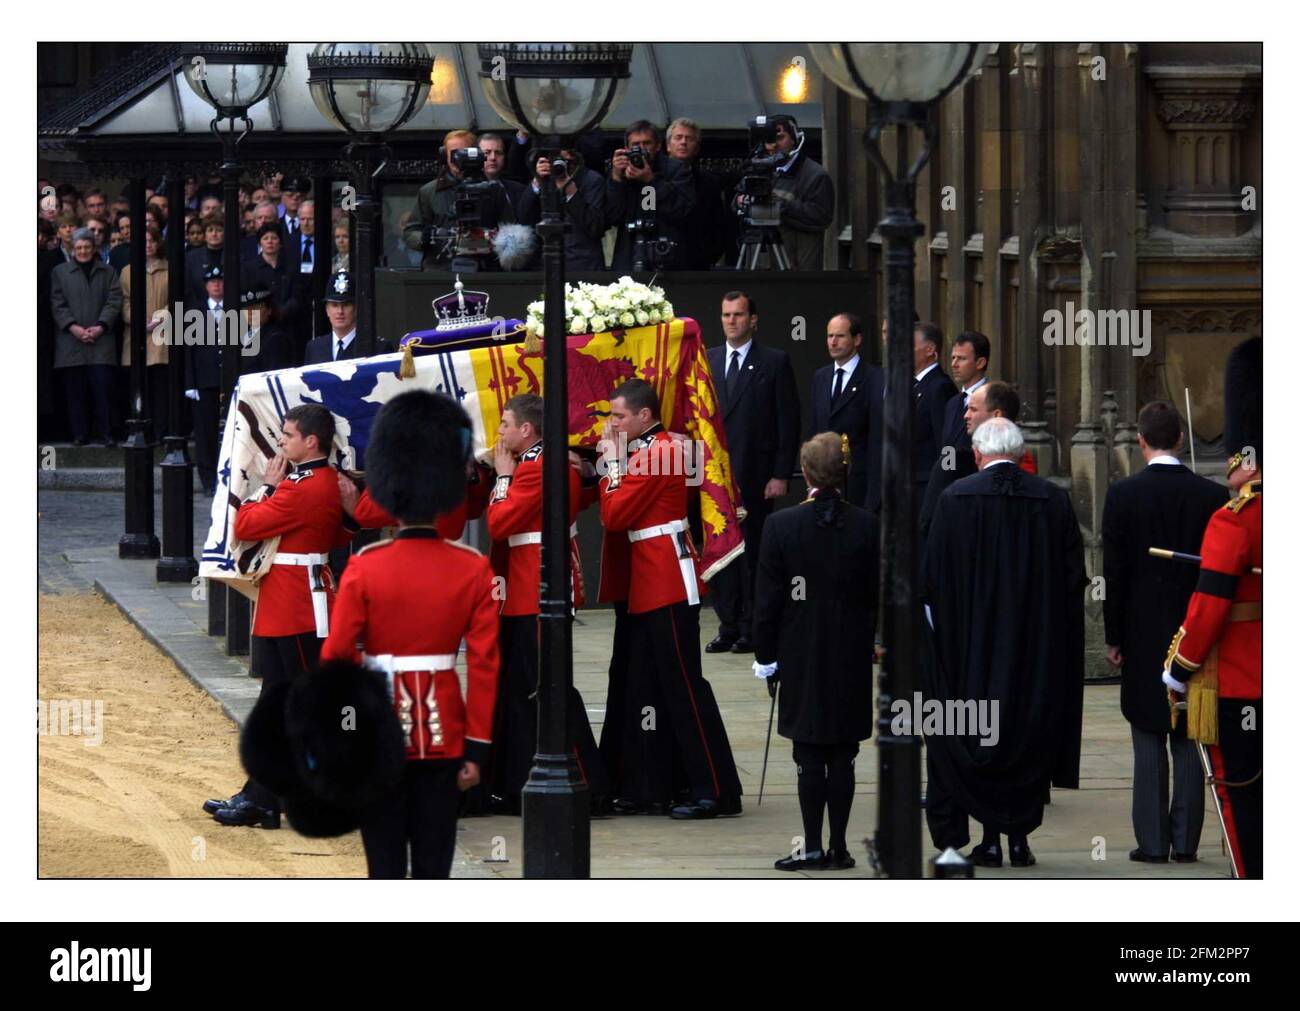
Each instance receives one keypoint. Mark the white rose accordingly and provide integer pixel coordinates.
(585, 307)
(653, 316)
(599, 323)
(667, 311)
(627, 319)
(578, 325)
(642, 317)
(541, 329)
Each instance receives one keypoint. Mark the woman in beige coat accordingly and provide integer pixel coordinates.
(156, 310)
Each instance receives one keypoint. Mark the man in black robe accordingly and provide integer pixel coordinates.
(814, 623)
(1003, 586)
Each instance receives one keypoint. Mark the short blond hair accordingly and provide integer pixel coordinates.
(460, 135)
(822, 460)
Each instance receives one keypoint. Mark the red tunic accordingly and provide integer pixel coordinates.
(370, 515)
(305, 512)
(515, 510)
(420, 595)
(1233, 544)
(652, 493)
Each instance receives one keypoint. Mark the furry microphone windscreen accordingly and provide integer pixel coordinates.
(515, 246)
(415, 462)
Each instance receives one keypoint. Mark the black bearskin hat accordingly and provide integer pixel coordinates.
(1243, 399)
(346, 740)
(415, 462)
(318, 819)
(264, 748)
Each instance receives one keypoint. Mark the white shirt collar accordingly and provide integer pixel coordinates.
(1172, 461)
(347, 337)
(925, 371)
(744, 354)
(967, 391)
(213, 303)
(849, 368)
(994, 463)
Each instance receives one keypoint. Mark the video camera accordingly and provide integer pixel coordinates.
(756, 207)
(467, 243)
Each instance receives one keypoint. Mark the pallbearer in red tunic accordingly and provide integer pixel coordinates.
(514, 521)
(403, 608)
(669, 704)
(1216, 659)
(299, 503)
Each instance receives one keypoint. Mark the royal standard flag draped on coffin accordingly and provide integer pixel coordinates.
(670, 356)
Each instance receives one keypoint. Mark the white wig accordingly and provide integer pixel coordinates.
(999, 437)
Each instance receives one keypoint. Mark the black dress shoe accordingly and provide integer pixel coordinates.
(1146, 858)
(839, 860)
(215, 805)
(813, 860)
(247, 814)
(719, 644)
(696, 810)
(730, 807)
(986, 855)
(1184, 858)
(627, 806)
(742, 645)
(1021, 855)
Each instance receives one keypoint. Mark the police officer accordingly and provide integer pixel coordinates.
(404, 608)
(1215, 662)
(341, 341)
(203, 378)
(669, 705)
(299, 503)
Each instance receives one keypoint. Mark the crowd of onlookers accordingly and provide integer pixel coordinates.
(84, 244)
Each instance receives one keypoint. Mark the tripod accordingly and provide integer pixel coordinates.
(759, 239)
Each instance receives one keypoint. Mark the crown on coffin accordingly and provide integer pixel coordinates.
(461, 308)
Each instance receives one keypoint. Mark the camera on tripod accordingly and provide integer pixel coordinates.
(467, 242)
(649, 250)
(756, 204)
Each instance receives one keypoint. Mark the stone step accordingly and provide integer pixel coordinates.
(100, 479)
(57, 455)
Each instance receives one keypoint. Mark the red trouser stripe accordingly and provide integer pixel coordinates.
(695, 710)
(1234, 847)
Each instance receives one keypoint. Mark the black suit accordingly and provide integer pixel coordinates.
(954, 422)
(760, 413)
(858, 413)
(321, 349)
(930, 399)
(1162, 506)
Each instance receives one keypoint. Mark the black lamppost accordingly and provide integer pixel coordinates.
(555, 90)
(232, 77)
(901, 81)
(368, 89)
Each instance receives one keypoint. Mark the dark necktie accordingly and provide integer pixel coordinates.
(338, 348)
(733, 373)
(306, 249)
(839, 385)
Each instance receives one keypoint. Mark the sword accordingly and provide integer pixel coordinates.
(768, 747)
(1183, 556)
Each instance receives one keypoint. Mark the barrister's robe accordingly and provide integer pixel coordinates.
(1004, 578)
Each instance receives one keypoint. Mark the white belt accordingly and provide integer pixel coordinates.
(320, 602)
(535, 536)
(687, 564)
(390, 664)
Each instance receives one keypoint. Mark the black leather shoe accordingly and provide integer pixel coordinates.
(839, 860)
(627, 806)
(1184, 858)
(215, 805)
(989, 855)
(813, 860)
(696, 810)
(247, 814)
(1146, 858)
(730, 807)
(719, 644)
(1021, 855)
(742, 645)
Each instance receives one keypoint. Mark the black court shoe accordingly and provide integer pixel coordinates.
(839, 860)
(627, 806)
(247, 814)
(1184, 858)
(743, 645)
(1020, 853)
(696, 810)
(719, 644)
(986, 855)
(215, 805)
(813, 860)
(1146, 858)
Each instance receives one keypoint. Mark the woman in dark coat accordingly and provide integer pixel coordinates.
(814, 633)
(86, 300)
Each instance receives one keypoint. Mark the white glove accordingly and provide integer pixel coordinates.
(192, 394)
(764, 670)
(1179, 686)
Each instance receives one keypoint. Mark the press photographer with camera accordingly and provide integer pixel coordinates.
(652, 233)
(582, 192)
(787, 189)
(710, 231)
(456, 212)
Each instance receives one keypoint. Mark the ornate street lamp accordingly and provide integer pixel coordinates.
(368, 89)
(553, 91)
(900, 81)
(232, 77)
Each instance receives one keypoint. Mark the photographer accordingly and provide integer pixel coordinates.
(636, 167)
(493, 146)
(582, 193)
(435, 225)
(806, 196)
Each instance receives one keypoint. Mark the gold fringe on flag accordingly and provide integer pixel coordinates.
(407, 371)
